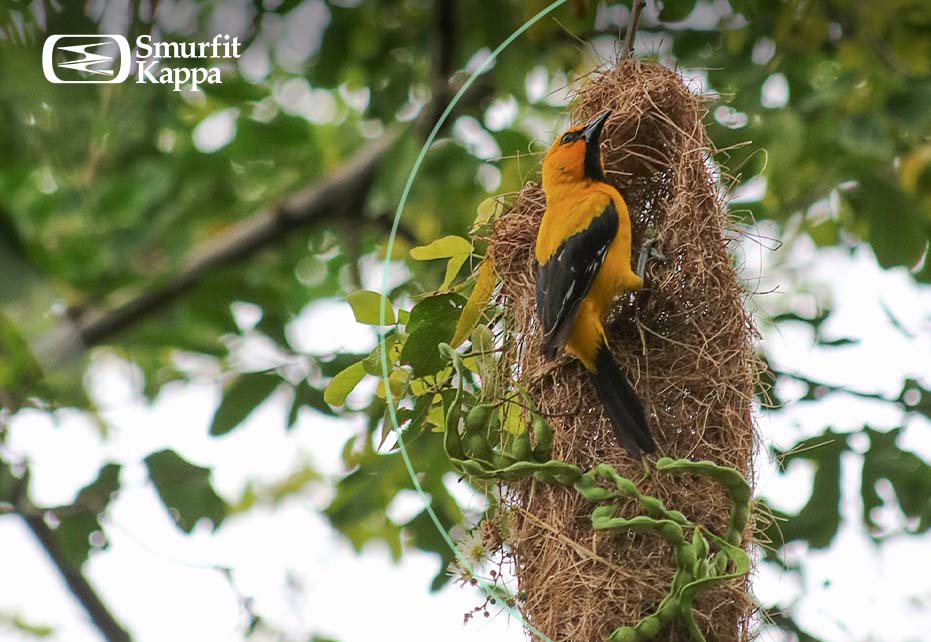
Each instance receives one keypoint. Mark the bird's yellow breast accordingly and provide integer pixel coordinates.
(570, 209)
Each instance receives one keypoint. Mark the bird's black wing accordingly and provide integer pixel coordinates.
(567, 275)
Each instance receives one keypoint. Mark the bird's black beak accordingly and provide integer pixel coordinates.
(592, 131)
(592, 135)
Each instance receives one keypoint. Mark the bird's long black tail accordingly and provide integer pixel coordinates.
(623, 406)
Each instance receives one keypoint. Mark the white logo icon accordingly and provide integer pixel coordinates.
(87, 54)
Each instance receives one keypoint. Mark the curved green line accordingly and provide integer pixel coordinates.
(485, 586)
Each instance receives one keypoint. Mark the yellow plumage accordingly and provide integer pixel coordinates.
(584, 256)
(570, 208)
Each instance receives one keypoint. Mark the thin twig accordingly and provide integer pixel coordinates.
(635, 10)
(100, 615)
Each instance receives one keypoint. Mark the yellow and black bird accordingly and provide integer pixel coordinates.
(583, 256)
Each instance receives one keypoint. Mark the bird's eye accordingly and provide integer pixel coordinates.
(568, 137)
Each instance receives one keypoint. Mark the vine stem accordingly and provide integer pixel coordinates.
(635, 10)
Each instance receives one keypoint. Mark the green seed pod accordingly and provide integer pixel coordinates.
(739, 492)
(543, 436)
(594, 493)
(477, 418)
(652, 504)
(699, 544)
(720, 563)
(672, 533)
(677, 516)
(520, 447)
(668, 610)
(626, 487)
(476, 446)
(685, 556)
(494, 424)
(624, 634)
(501, 460)
(649, 627)
(739, 517)
(664, 462)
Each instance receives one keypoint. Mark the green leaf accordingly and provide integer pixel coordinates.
(452, 269)
(819, 519)
(360, 503)
(916, 397)
(432, 322)
(240, 398)
(675, 10)
(442, 248)
(397, 381)
(901, 242)
(909, 475)
(307, 395)
(488, 210)
(837, 343)
(512, 418)
(343, 383)
(82, 517)
(332, 367)
(864, 135)
(185, 490)
(410, 420)
(478, 299)
(287, 6)
(373, 362)
(366, 306)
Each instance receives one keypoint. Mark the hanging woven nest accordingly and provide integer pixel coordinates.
(686, 343)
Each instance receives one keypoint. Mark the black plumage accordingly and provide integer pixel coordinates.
(566, 277)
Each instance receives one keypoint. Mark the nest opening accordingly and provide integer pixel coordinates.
(686, 343)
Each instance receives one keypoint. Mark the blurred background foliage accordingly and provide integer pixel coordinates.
(136, 221)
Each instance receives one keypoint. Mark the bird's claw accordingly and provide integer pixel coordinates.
(647, 250)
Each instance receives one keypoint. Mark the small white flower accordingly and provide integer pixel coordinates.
(472, 548)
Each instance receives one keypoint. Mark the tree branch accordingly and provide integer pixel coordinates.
(635, 10)
(100, 615)
(444, 48)
(337, 194)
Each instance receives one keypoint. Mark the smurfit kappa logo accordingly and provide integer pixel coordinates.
(108, 58)
(88, 53)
